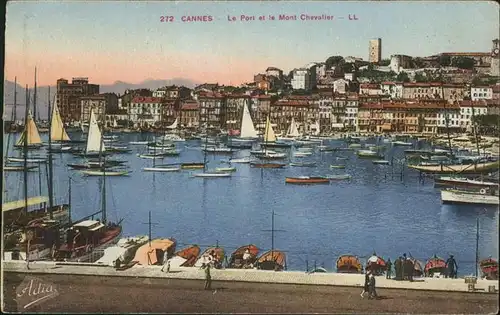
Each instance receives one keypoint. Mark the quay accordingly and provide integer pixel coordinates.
(147, 289)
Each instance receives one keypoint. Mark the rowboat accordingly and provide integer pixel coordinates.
(381, 162)
(241, 160)
(105, 173)
(307, 180)
(462, 182)
(186, 257)
(151, 156)
(272, 156)
(368, 154)
(267, 165)
(303, 164)
(218, 150)
(341, 158)
(138, 142)
(435, 265)
(212, 255)
(212, 175)
(191, 166)
(349, 264)
(302, 154)
(401, 143)
(28, 160)
(339, 177)
(244, 257)
(337, 166)
(225, 169)
(272, 260)
(457, 168)
(489, 268)
(18, 168)
(326, 149)
(376, 265)
(161, 169)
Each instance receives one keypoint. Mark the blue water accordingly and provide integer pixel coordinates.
(375, 211)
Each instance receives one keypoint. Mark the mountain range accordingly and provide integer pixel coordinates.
(118, 87)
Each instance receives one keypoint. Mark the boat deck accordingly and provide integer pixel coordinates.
(247, 275)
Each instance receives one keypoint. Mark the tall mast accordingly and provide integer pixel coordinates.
(447, 119)
(13, 117)
(51, 192)
(103, 196)
(477, 245)
(25, 150)
(34, 100)
(15, 99)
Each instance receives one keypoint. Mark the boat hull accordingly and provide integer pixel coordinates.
(456, 197)
(457, 168)
(101, 173)
(161, 169)
(450, 182)
(267, 165)
(309, 180)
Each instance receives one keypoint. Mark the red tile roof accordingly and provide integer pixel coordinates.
(190, 106)
(421, 84)
(469, 103)
(403, 106)
(291, 103)
(369, 86)
(140, 99)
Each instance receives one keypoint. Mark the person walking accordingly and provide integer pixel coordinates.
(404, 268)
(167, 264)
(208, 277)
(452, 267)
(397, 268)
(372, 293)
(389, 271)
(366, 288)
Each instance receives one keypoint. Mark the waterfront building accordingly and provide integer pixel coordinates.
(481, 93)
(350, 118)
(431, 90)
(260, 106)
(448, 118)
(111, 103)
(324, 101)
(97, 103)
(393, 89)
(453, 93)
(212, 110)
(68, 94)
(370, 89)
(169, 111)
(190, 114)
(145, 111)
(285, 109)
(337, 111)
(375, 50)
(469, 109)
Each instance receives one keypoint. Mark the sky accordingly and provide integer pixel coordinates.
(126, 41)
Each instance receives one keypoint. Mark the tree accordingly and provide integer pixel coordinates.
(418, 63)
(444, 61)
(419, 77)
(403, 77)
(333, 61)
(463, 62)
(385, 62)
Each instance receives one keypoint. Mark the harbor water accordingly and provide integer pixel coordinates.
(382, 208)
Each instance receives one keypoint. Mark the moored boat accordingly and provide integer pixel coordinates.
(381, 162)
(272, 260)
(489, 268)
(267, 165)
(186, 257)
(303, 164)
(435, 265)
(225, 169)
(457, 168)
(376, 265)
(153, 252)
(213, 256)
(349, 264)
(244, 257)
(337, 166)
(161, 169)
(401, 143)
(213, 175)
(339, 177)
(104, 173)
(462, 182)
(192, 166)
(307, 180)
(484, 197)
(241, 160)
(124, 250)
(369, 154)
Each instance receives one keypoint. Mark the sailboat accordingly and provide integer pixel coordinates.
(270, 139)
(172, 136)
(30, 134)
(158, 168)
(248, 133)
(268, 136)
(58, 132)
(292, 132)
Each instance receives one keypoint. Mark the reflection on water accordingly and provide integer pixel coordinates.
(374, 211)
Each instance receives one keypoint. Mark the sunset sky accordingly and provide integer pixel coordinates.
(110, 41)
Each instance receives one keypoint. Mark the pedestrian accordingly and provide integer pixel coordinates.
(410, 269)
(452, 267)
(389, 271)
(366, 288)
(208, 278)
(167, 264)
(371, 286)
(397, 268)
(166, 261)
(404, 268)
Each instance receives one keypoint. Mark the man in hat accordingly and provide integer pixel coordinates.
(452, 266)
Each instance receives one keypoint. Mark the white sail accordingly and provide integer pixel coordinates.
(315, 128)
(174, 125)
(292, 130)
(94, 137)
(57, 132)
(115, 123)
(247, 127)
(31, 132)
(269, 135)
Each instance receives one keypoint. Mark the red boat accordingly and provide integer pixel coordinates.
(272, 260)
(244, 257)
(212, 255)
(86, 236)
(435, 265)
(376, 265)
(267, 165)
(349, 264)
(489, 268)
(190, 254)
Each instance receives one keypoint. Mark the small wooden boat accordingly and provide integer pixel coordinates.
(376, 265)
(369, 154)
(337, 166)
(339, 177)
(28, 160)
(105, 173)
(349, 264)
(307, 180)
(326, 149)
(457, 168)
(267, 165)
(302, 154)
(303, 164)
(273, 156)
(244, 257)
(272, 260)
(221, 150)
(212, 255)
(153, 252)
(489, 268)
(151, 156)
(18, 168)
(225, 169)
(212, 175)
(401, 143)
(185, 257)
(138, 142)
(435, 265)
(161, 169)
(381, 162)
(341, 158)
(191, 166)
(452, 181)
(124, 250)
